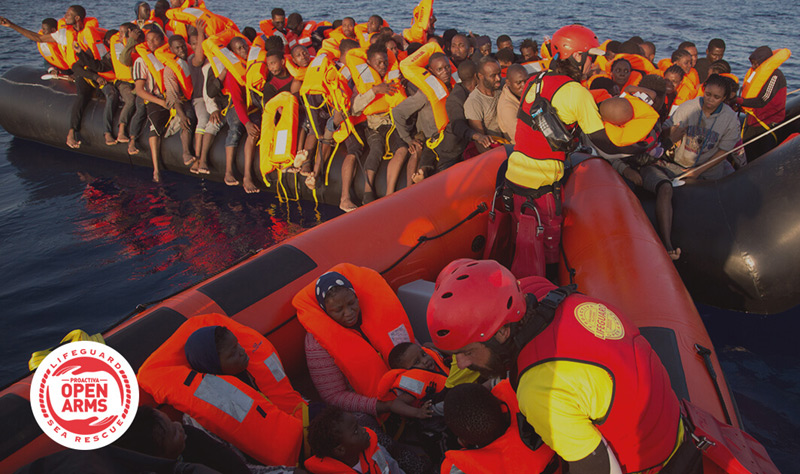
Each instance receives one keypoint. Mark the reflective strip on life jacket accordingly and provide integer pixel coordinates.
(122, 71)
(418, 33)
(153, 64)
(179, 66)
(365, 77)
(53, 53)
(278, 140)
(222, 58)
(414, 69)
(215, 24)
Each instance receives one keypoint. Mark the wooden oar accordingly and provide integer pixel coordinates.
(697, 170)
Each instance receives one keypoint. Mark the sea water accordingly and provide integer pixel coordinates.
(83, 240)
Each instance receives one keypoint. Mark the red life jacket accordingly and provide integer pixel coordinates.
(642, 422)
(383, 321)
(372, 461)
(508, 453)
(266, 423)
(415, 381)
(530, 142)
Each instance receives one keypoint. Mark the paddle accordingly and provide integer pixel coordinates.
(697, 170)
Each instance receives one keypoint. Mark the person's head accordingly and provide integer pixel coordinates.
(476, 304)
(391, 45)
(300, 56)
(489, 75)
(336, 434)
(474, 415)
(125, 29)
(294, 23)
(690, 48)
(467, 72)
(719, 67)
(716, 90)
(75, 14)
(682, 59)
(715, 50)
(154, 434)
(155, 39)
(460, 49)
(439, 66)
(648, 50)
(761, 54)
(215, 350)
(378, 59)
(239, 46)
(657, 84)
(177, 45)
(484, 45)
(616, 110)
(175, 3)
(107, 37)
(160, 8)
(516, 77)
(436, 39)
(142, 11)
(409, 355)
(250, 33)
(636, 40)
(273, 42)
(529, 50)
(348, 27)
(278, 16)
(374, 24)
(276, 63)
(503, 42)
(620, 71)
(49, 25)
(337, 297)
(345, 46)
(505, 57)
(577, 46)
(673, 75)
(629, 47)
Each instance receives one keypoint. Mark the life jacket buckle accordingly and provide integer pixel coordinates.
(702, 442)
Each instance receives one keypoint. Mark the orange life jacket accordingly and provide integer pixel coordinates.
(53, 53)
(304, 39)
(122, 71)
(702, 89)
(214, 23)
(418, 33)
(362, 35)
(222, 58)
(154, 65)
(755, 79)
(266, 424)
(180, 67)
(278, 136)
(687, 90)
(635, 129)
(599, 95)
(508, 453)
(414, 69)
(296, 71)
(415, 381)
(383, 322)
(268, 28)
(638, 63)
(371, 461)
(177, 27)
(257, 72)
(365, 77)
(90, 39)
(692, 77)
(544, 50)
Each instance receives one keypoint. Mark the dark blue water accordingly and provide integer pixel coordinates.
(83, 241)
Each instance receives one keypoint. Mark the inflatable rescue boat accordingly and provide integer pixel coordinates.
(609, 244)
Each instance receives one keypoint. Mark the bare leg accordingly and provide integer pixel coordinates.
(186, 143)
(72, 141)
(394, 168)
(348, 172)
(230, 156)
(369, 188)
(249, 152)
(198, 142)
(155, 143)
(205, 148)
(301, 140)
(411, 169)
(664, 218)
(122, 137)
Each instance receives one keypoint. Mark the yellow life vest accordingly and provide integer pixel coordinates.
(214, 23)
(365, 77)
(418, 33)
(222, 58)
(755, 79)
(257, 71)
(90, 39)
(154, 65)
(278, 138)
(635, 129)
(414, 69)
(53, 53)
(180, 67)
(122, 71)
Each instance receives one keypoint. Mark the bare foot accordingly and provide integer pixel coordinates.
(122, 137)
(194, 168)
(72, 142)
(230, 180)
(313, 181)
(674, 254)
(132, 150)
(202, 168)
(307, 168)
(347, 205)
(156, 176)
(110, 140)
(300, 158)
(250, 187)
(188, 159)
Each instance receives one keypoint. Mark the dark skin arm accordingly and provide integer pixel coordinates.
(31, 35)
(199, 56)
(402, 406)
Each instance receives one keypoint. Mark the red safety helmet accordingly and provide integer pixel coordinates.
(472, 300)
(575, 39)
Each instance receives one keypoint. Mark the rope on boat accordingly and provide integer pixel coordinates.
(482, 207)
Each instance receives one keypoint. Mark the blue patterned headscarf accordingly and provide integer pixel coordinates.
(326, 282)
(201, 351)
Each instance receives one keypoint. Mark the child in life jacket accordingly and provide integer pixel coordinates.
(417, 379)
(340, 445)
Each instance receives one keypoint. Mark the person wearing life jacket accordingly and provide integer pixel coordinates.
(494, 434)
(763, 98)
(124, 80)
(340, 446)
(674, 76)
(714, 52)
(179, 91)
(508, 103)
(377, 96)
(567, 371)
(158, 16)
(127, 58)
(536, 165)
(53, 53)
(212, 364)
(690, 82)
(423, 23)
(300, 32)
(78, 34)
(649, 51)
(365, 31)
(153, 433)
(275, 25)
(505, 58)
(101, 72)
(178, 25)
(415, 382)
(529, 50)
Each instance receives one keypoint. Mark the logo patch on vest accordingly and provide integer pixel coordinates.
(411, 385)
(398, 335)
(600, 321)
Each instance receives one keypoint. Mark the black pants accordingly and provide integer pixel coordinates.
(85, 92)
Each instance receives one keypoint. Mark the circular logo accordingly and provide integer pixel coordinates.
(84, 395)
(600, 321)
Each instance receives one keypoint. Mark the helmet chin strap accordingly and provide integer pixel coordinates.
(584, 57)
